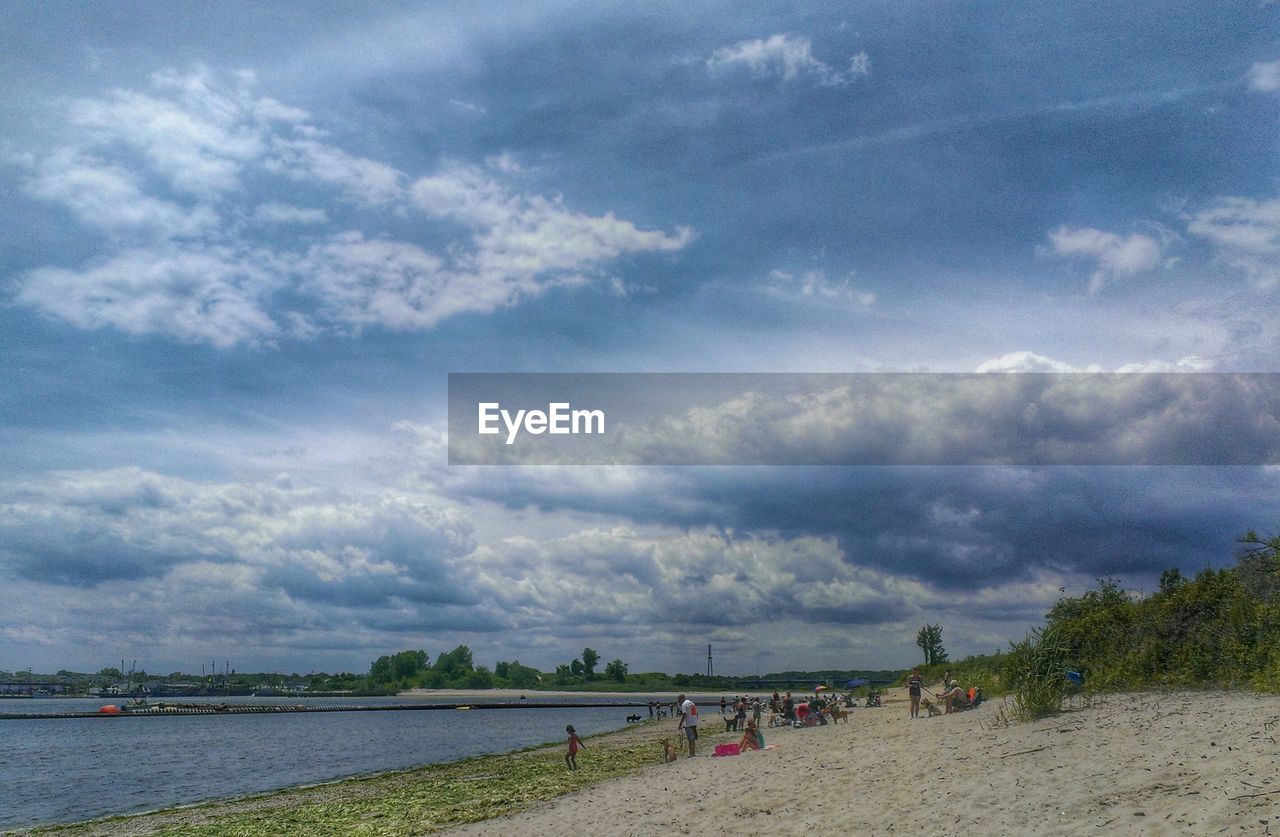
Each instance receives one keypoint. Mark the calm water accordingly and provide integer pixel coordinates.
(60, 770)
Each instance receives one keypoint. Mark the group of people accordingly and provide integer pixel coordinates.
(735, 713)
(818, 710)
(752, 738)
(953, 698)
(784, 710)
(659, 710)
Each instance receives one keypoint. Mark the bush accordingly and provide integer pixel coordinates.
(1036, 675)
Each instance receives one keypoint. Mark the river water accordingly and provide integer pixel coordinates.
(60, 770)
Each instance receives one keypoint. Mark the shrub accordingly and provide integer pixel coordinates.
(1035, 674)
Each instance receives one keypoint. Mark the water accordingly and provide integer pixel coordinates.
(60, 770)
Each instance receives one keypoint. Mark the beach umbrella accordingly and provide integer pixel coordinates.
(821, 689)
(856, 682)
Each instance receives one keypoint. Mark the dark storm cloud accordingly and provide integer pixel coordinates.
(958, 528)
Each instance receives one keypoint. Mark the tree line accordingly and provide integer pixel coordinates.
(457, 669)
(1220, 628)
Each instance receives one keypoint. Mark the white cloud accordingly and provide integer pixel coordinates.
(816, 285)
(209, 294)
(602, 578)
(196, 133)
(1115, 256)
(1024, 361)
(111, 199)
(1240, 224)
(273, 566)
(363, 282)
(519, 237)
(364, 181)
(1246, 233)
(785, 57)
(1191, 363)
(1264, 76)
(173, 173)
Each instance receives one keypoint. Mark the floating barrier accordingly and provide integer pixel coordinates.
(176, 709)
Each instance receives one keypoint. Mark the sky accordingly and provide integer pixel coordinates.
(245, 245)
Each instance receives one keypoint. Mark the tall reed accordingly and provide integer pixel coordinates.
(1035, 674)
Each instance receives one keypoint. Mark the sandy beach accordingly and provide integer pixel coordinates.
(1151, 763)
(1204, 762)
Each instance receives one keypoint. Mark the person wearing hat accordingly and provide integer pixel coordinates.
(951, 695)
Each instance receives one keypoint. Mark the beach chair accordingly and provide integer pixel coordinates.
(970, 702)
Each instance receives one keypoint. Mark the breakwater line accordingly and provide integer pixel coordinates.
(176, 710)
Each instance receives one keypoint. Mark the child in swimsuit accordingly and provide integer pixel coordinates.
(571, 757)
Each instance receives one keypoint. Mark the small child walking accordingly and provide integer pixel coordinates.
(575, 743)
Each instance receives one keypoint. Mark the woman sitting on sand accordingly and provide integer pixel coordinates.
(751, 739)
(953, 695)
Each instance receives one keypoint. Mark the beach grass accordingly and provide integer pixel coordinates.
(414, 801)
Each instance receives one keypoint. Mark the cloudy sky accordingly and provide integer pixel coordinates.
(243, 247)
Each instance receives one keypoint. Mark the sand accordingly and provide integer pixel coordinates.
(1153, 763)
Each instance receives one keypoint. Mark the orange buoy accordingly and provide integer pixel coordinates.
(110, 709)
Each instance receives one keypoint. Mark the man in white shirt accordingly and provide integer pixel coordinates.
(688, 722)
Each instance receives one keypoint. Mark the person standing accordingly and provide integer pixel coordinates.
(914, 684)
(575, 743)
(689, 722)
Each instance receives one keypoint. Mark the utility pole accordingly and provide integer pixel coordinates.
(710, 669)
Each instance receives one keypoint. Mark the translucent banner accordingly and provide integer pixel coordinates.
(864, 419)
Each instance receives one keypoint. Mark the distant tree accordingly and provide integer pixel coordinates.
(521, 677)
(576, 668)
(455, 663)
(930, 641)
(1259, 566)
(400, 667)
(589, 661)
(111, 674)
(1171, 580)
(616, 670)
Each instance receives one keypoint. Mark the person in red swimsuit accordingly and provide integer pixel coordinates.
(575, 743)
